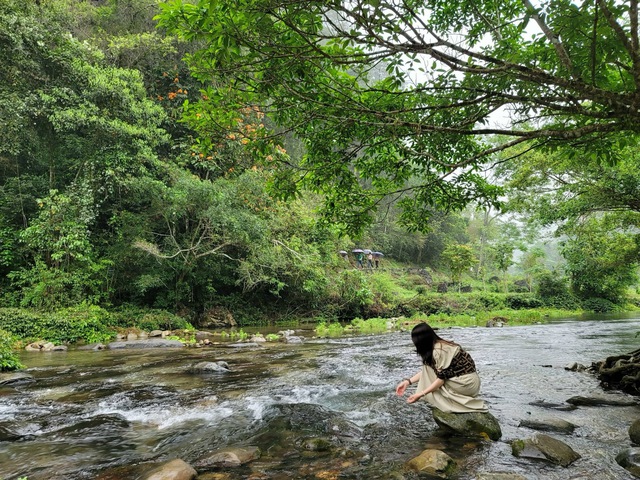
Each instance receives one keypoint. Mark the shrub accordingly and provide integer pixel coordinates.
(8, 359)
(551, 284)
(84, 322)
(519, 301)
(565, 302)
(148, 320)
(599, 305)
(329, 330)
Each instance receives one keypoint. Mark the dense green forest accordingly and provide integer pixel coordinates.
(170, 163)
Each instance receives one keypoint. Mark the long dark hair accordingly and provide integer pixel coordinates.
(424, 338)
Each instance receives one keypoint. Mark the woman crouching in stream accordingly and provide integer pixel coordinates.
(448, 379)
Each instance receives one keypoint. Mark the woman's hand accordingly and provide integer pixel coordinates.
(402, 386)
(437, 383)
(415, 397)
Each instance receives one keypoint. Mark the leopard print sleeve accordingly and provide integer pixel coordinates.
(461, 364)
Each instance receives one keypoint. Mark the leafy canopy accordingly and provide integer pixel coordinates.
(395, 97)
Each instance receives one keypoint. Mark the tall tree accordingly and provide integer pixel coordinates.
(76, 130)
(567, 73)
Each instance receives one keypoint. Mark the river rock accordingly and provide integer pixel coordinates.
(630, 461)
(12, 378)
(634, 432)
(465, 423)
(8, 435)
(292, 339)
(596, 401)
(217, 317)
(208, 367)
(243, 345)
(499, 476)
(156, 333)
(544, 447)
(149, 343)
(549, 425)
(174, 470)
(432, 462)
(228, 457)
(93, 346)
(202, 335)
(497, 322)
(99, 424)
(39, 347)
(575, 367)
(554, 406)
(316, 444)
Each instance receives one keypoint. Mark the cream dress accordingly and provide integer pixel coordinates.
(458, 394)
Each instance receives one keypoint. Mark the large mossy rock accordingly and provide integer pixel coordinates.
(630, 461)
(634, 432)
(475, 423)
(544, 447)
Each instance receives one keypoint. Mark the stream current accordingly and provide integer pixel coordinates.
(110, 414)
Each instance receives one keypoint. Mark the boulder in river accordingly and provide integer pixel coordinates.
(8, 435)
(209, 367)
(469, 423)
(93, 346)
(629, 459)
(544, 447)
(15, 378)
(228, 457)
(40, 347)
(634, 432)
(549, 425)
(174, 470)
(596, 401)
(433, 462)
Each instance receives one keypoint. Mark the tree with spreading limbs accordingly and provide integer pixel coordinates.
(399, 97)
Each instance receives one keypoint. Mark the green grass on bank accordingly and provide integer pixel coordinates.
(508, 317)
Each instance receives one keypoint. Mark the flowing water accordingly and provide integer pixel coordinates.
(111, 414)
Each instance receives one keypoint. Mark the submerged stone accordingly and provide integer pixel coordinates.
(630, 460)
(499, 476)
(477, 423)
(316, 444)
(228, 457)
(433, 462)
(208, 367)
(544, 447)
(634, 432)
(174, 470)
(12, 378)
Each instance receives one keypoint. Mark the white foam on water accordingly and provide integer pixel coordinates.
(163, 417)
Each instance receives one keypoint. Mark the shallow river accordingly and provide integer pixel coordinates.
(110, 414)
